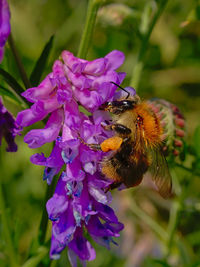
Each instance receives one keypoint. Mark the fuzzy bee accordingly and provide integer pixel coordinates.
(136, 145)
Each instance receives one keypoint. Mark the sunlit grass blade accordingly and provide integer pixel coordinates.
(5, 92)
(41, 63)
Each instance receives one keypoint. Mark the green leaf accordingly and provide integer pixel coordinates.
(10, 80)
(8, 93)
(41, 63)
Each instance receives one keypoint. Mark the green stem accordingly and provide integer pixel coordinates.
(44, 219)
(187, 169)
(6, 231)
(144, 217)
(93, 7)
(136, 76)
(19, 62)
(173, 221)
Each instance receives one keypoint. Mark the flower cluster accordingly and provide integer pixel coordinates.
(4, 25)
(8, 128)
(173, 123)
(80, 202)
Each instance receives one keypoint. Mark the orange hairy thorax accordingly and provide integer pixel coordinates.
(150, 126)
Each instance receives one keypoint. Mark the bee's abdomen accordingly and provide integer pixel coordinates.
(125, 166)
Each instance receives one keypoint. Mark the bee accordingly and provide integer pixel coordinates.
(136, 146)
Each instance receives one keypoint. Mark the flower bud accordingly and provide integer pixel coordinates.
(172, 122)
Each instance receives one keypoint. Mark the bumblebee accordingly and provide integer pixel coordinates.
(136, 145)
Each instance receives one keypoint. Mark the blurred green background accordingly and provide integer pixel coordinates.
(171, 71)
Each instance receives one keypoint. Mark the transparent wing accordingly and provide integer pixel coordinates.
(160, 173)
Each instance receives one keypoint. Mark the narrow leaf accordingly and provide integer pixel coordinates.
(10, 80)
(8, 93)
(41, 63)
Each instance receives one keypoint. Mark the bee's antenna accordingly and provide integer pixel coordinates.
(128, 93)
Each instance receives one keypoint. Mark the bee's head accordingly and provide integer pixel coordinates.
(124, 99)
(119, 106)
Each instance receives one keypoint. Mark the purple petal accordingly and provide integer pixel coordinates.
(45, 106)
(72, 258)
(115, 59)
(72, 115)
(67, 133)
(64, 228)
(78, 80)
(102, 240)
(56, 248)
(54, 160)
(49, 174)
(74, 171)
(42, 91)
(106, 213)
(82, 247)
(95, 67)
(38, 137)
(96, 228)
(115, 228)
(98, 194)
(122, 94)
(75, 64)
(121, 76)
(70, 150)
(64, 96)
(56, 206)
(27, 117)
(4, 25)
(58, 70)
(88, 99)
(8, 128)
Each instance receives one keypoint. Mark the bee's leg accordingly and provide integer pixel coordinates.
(112, 143)
(95, 147)
(119, 128)
(113, 186)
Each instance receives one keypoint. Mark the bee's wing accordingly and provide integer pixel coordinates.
(160, 173)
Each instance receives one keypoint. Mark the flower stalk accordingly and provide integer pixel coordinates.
(88, 28)
(174, 216)
(137, 71)
(44, 219)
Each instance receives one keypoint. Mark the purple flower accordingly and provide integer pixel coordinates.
(80, 203)
(4, 25)
(8, 128)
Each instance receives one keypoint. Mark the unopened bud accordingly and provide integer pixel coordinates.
(180, 122)
(178, 143)
(180, 132)
(176, 152)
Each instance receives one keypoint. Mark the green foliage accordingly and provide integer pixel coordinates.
(41, 63)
